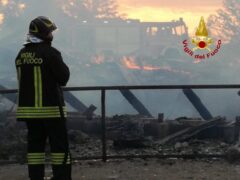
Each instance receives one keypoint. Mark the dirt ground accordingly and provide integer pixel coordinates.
(138, 169)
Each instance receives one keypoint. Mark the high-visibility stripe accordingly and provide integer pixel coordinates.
(42, 161)
(19, 80)
(60, 163)
(38, 117)
(40, 112)
(36, 158)
(57, 154)
(38, 86)
(58, 158)
(36, 154)
(41, 108)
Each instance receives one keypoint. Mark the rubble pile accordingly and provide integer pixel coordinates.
(193, 147)
(13, 143)
(233, 154)
(126, 131)
(129, 135)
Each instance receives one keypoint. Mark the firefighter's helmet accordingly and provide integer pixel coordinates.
(41, 27)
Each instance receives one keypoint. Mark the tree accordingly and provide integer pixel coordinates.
(226, 23)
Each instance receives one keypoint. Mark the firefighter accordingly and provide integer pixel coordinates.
(41, 72)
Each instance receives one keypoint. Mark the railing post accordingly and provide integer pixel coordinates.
(103, 107)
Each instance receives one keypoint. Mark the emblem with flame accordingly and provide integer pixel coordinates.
(201, 41)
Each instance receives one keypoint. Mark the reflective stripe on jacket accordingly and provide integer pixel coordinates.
(41, 72)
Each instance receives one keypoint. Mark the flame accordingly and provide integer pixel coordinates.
(202, 30)
(130, 63)
(1, 18)
(151, 68)
(165, 68)
(4, 2)
(22, 6)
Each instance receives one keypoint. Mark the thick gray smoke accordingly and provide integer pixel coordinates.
(127, 52)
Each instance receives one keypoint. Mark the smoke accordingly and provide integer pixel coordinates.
(95, 59)
(1, 18)
(4, 2)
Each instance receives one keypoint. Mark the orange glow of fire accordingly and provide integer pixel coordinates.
(66, 7)
(98, 59)
(130, 63)
(1, 18)
(150, 68)
(4, 2)
(22, 6)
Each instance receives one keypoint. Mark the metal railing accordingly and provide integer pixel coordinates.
(103, 90)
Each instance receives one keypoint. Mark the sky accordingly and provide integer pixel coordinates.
(162, 10)
(168, 10)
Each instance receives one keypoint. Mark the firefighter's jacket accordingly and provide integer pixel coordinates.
(41, 72)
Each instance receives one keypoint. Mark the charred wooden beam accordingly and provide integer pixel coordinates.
(135, 102)
(197, 103)
(190, 132)
(89, 111)
(75, 102)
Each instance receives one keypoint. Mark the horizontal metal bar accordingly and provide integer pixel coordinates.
(96, 88)
(203, 86)
(8, 91)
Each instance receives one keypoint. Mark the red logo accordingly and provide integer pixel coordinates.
(201, 44)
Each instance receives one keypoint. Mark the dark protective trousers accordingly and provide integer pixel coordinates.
(39, 130)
